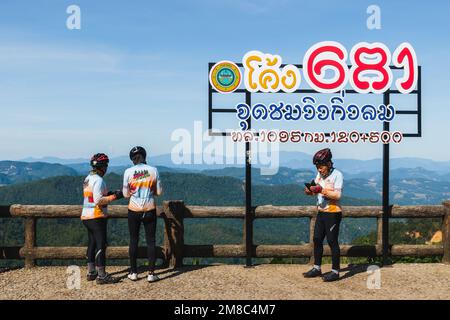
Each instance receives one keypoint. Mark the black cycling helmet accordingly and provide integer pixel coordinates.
(322, 156)
(99, 160)
(137, 150)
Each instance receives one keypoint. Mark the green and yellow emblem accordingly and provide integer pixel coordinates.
(225, 77)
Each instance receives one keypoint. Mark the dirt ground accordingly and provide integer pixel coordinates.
(401, 281)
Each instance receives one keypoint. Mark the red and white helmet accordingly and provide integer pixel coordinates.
(99, 160)
(322, 156)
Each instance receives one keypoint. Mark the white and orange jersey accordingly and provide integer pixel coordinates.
(334, 182)
(141, 183)
(95, 197)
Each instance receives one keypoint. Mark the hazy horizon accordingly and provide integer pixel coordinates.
(191, 154)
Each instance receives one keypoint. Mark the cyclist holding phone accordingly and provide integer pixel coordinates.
(328, 186)
(94, 218)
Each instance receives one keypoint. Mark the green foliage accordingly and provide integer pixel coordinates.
(405, 231)
(196, 189)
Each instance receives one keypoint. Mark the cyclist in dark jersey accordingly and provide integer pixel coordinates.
(328, 186)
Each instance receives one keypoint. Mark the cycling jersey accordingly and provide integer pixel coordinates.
(334, 182)
(95, 197)
(141, 183)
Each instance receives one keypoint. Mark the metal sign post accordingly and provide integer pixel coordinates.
(387, 207)
(248, 235)
(385, 200)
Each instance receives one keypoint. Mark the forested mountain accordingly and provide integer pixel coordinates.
(17, 172)
(194, 189)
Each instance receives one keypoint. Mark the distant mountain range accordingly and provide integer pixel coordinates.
(194, 189)
(50, 183)
(408, 185)
(413, 180)
(289, 159)
(54, 160)
(12, 172)
(210, 188)
(84, 168)
(296, 176)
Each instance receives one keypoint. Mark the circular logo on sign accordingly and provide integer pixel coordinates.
(225, 76)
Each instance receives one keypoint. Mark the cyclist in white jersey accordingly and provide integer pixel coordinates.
(328, 187)
(93, 216)
(140, 184)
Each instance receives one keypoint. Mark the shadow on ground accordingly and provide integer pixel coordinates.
(162, 273)
(354, 269)
(7, 269)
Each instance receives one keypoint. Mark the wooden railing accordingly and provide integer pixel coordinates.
(174, 249)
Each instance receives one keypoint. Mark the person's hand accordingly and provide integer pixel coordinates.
(316, 189)
(308, 192)
(118, 194)
(325, 192)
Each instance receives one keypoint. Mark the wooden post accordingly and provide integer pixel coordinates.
(247, 237)
(379, 243)
(174, 232)
(379, 231)
(312, 223)
(30, 241)
(446, 233)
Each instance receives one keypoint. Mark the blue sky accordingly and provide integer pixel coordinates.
(137, 70)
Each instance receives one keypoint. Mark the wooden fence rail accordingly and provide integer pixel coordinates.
(174, 249)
